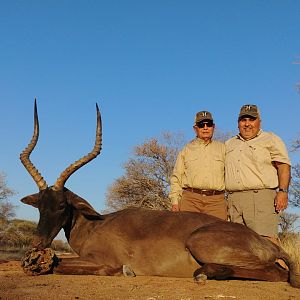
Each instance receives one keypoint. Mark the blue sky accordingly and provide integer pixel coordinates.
(150, 65)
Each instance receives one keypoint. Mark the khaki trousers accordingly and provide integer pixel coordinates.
(212, 205)
(255, 209)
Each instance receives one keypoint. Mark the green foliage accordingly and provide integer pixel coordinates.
(17, 236)
(16, 233)
(11, 232)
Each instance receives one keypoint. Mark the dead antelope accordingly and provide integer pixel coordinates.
(147, 242)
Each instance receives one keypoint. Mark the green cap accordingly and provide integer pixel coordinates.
(249, 110)
(203, 115)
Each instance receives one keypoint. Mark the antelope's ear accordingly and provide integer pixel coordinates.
(31, 200)
(83, 206)
(87, 210)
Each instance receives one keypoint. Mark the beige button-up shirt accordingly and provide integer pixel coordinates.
(248, 164)
(200, 166)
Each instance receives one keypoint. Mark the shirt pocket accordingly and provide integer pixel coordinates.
(190, 162)
(261, 154)
(218, 162)
(230, 151)
(192, 167)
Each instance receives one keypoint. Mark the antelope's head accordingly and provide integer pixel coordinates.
(56, 204)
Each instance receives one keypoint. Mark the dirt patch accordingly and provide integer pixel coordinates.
(15, 284)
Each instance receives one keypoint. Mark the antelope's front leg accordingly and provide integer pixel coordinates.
(75, 266)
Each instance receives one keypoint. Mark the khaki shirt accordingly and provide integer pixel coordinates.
(248, 164)
(198, 165)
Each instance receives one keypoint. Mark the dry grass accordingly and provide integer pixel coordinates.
(15, 254)
(291, 244)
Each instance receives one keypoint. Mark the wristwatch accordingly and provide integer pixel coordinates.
(283, 190)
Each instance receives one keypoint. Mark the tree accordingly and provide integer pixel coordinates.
(222, 136)
(295, 182)
(6, 208)
(17, 233)
(287, 223)
(295, 145)
(147, 175)
(295, 186)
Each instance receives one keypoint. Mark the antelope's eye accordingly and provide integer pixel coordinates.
(61, 206)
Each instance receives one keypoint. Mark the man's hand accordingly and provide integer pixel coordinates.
(281, 201)
(175, 208)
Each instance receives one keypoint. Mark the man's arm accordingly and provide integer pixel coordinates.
(284, 176)
(176, 183)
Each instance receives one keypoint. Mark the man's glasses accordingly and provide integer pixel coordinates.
(202, 124)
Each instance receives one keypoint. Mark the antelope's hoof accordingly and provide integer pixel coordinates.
(127, 271)
(200, 279)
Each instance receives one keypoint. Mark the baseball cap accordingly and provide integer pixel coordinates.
(249, 110)
(203, 115)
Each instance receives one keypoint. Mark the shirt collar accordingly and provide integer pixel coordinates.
(202, 142)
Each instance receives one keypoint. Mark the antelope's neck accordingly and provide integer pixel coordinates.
(80, 231)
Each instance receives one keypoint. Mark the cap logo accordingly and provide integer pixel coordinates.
(204, 114)
(248, 107)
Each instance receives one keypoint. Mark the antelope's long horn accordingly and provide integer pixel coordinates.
(64, 176)
(24, 156)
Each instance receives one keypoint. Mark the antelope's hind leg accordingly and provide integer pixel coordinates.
(220, 272)
(229, 251)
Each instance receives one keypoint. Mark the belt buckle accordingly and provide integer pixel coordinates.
(204, 192)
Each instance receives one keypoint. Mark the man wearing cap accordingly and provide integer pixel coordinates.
(257, 175)
(197, 182)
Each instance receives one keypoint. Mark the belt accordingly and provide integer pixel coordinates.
(204, 192)
(254, 191)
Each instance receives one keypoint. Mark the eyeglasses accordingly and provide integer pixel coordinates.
(202, 124)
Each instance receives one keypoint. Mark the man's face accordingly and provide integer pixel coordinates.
(249, 127)
(204, 130)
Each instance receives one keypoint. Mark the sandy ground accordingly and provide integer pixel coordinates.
(15, 284)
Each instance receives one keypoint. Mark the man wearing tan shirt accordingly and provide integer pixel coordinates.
(197, 182)
(257, 175)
